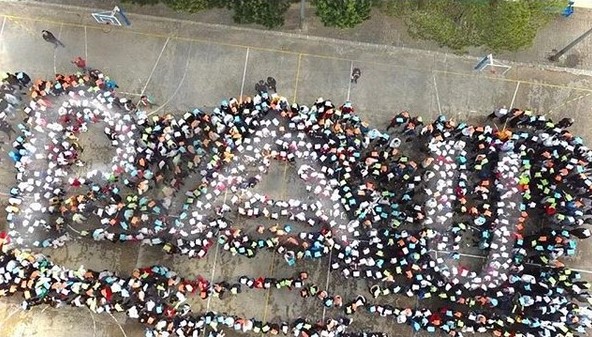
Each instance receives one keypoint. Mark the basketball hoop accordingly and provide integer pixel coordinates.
(489, 62)
(111, 18)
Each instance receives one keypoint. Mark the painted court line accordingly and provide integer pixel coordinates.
(244, 75)
(272, 267)
(85, 44)
(297, 77)
(129, 93)
(155, 65)
(514, 97)
(55, 51)
(2, 29)
(179, 85)
(568, 102)
(417, 306)
(328, 279)
(584, 271)
(581, 270)
(94, 322)
(464, 255)
(437, 94)
(215, 261)
(17, 310)
(118, 324)
(179, 38)
(351, 71)
(213, 273)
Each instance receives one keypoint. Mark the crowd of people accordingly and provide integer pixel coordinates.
(154, 296)
(393, 206)
(10, 98)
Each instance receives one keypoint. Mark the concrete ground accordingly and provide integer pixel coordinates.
(583, 3)
(185, 65)
(387, 30)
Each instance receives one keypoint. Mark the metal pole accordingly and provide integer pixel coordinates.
(556, 57)
(302, 13)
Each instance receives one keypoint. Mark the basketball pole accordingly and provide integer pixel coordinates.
(302, 14)
(555, 57)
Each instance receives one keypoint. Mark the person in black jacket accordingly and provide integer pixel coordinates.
(49, 37)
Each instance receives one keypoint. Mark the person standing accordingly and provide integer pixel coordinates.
(261, 87)
(565, 123)
(271, 84)
(80, 63)
(49, 37)
(23, 79)
(7, 129)
(501, 114)
(356, 73)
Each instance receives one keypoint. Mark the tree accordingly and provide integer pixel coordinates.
(190, 6)
(495, 24)
(269, 13)
(143, 2)
(343, 13)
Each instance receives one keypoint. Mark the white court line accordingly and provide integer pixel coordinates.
(213, 273)
(2, 29)
(351, 70)
(297, 77)
(94, 322)
(514, 97)
(155, 65)
(461, 254)
(214, 264)
(532, 264)
(18, 309)
(178, 86)
(129, 93)
(574, 269)
(328, 279)
(118, 324)
(244, 75)
(55, 50)
(581, 270)
(74, 229)
(416, 305)
(85, 45)
(437, 95)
